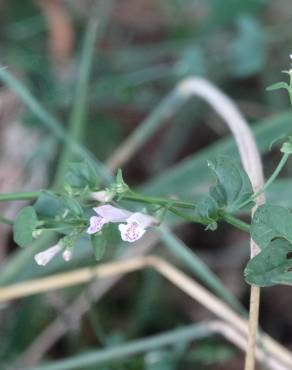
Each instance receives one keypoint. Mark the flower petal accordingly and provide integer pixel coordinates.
(96, 224)
(112, 214)
(142, 220)
(46, 256)
(131, 232)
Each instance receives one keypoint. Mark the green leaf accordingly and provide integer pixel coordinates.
(48, 205)
(72, 205)
(24, 225)
(270, 222)
(273, 265)
(208, 208)
(277, 86)
(120, 185)
(233, 186)
(98, 244)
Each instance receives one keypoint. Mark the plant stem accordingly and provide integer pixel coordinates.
(241, 225)
(187, 217)
(132, 196)
(271, 179)
(254, 306)
(19, 196)
(274, 174)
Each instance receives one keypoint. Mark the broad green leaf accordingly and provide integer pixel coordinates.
(208, 208)
(273, 265)
(72, 205)
(270, 222)
(233, 186)
(98, 244)
(48, 205)
(24, 225)
(230, 191)
(277, 86)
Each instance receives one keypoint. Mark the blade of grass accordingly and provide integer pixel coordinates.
(49, 121)
(197, 266)
(15, 264)
(94, 32)
(172, 337)
(183, 179)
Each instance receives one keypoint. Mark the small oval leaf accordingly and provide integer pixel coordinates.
(24, 225)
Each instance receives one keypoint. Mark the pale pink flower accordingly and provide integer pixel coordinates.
(112, 214)
(132, 224)
(44, 257)
(96, 224)
(47, 255)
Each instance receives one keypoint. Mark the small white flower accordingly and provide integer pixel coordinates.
(67, 255)
(290, 56)
(47, 255)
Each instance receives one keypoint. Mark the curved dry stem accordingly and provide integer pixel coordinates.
(251, 162)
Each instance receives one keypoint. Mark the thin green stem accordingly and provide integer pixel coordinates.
(271, 179)
(274, 175)
(132, 196)
(187, 217)
(30, 195)
(241, 225)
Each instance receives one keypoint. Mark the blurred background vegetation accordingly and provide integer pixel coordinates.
(142, 50)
